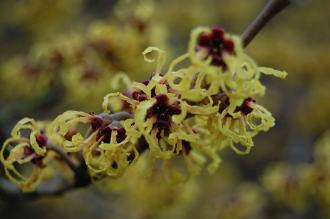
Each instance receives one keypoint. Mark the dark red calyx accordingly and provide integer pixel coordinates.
(163, 111)
(224, 101)
(37, 160)
(145, 82)
(96, 122)
(246, 108)
(126, 106)
(215, 43)
(139, 96)
(121, 134)
(28, 150)
(186, 147)
(41, 140)
(105, 134)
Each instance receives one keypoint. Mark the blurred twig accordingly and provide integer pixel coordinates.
(10, 192)
(81, 176)
(272, 8)
(64, 156)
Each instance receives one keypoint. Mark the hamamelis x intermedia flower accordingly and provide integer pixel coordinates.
(27, 144)
(192, 112)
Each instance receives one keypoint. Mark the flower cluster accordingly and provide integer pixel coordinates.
(203, 103)
(296, 186)
(27, 144)
(75, 62)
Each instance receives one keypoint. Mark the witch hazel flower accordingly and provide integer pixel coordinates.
(27, 145)
(214, 44)
(204, 102)
(104, 140)
(162, 111)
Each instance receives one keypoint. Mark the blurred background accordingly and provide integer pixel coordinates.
(62, 55)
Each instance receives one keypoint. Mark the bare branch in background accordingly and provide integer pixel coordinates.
(272, 8)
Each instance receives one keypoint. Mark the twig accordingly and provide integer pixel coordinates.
(118, 116)
(81, 174)
(82, 177)
(272, 8)
(63, 156)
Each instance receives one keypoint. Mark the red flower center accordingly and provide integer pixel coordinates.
(244, 108)
(215, 43)
(163, 111)
(42, 140)
(96, 122)
(106, 133)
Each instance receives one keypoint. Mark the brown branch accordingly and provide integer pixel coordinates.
(272, 8)
(80, 171)
(64, 156)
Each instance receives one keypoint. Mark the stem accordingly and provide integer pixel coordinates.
(81, 176)
(63, 156)
(272, 8)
